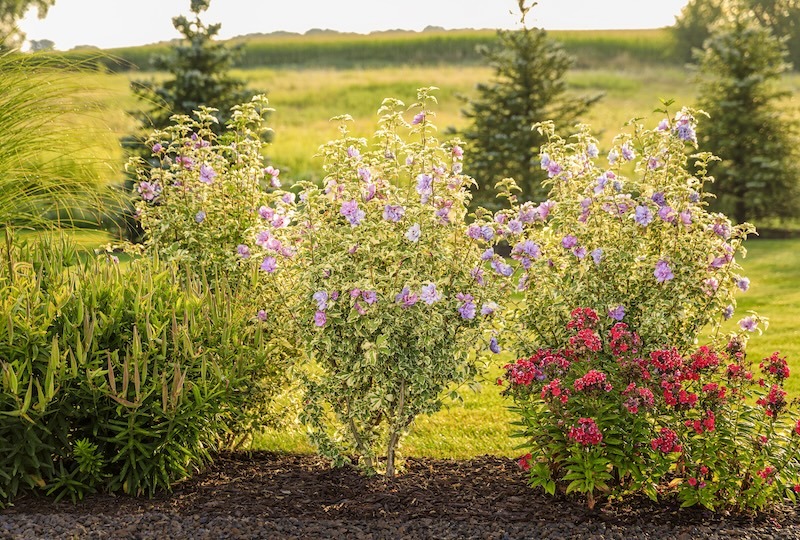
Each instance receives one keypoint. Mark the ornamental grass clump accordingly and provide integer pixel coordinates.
(391, 294)
(623, 271)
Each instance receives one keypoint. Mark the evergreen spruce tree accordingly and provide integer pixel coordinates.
(757, 175)
(200, 74)
(528, 87)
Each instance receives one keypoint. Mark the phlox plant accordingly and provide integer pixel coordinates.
(608, 415)
(621, 276)
(391, 294)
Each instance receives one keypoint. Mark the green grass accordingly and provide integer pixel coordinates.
(482, 424)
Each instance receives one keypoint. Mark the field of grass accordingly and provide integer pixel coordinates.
(402, 48)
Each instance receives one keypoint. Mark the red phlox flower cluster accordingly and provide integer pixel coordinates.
(774, 402)
(523, 372)
(586, 432)
(545, 358)
(704, 359)
(637, 397)
(666, 442)
(699, 481)
(622, 341)
(708, 423)
(676, 396)
(797, 428)
(525, 462)
(593, 380)
(582, 318)
(775, 366)
(586, 340)
(768, 474)
(553, 389)
(666, 360)
(714, 392)
(737, 371)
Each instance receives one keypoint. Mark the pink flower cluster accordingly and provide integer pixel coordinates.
(593, 380)
(666, 442)
(775, 366)
(774, 402)
(586, 432)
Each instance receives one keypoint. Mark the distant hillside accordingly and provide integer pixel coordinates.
(329, 49)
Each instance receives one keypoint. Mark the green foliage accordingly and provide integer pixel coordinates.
(13, 10)
(388, 286)
(757, 175)
(120, 380)
(697, 19)
(528, 87)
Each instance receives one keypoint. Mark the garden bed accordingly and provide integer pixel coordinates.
(265, 495)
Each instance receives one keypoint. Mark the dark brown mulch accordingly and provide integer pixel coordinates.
(486, 497)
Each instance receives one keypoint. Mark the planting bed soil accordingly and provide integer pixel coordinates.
(264, 495)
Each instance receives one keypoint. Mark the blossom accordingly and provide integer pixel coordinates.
(727, 313)
(364, 174)
(569, 242)
(684, 127)
(593, 380)
(666, 214)
(200, 216)
(525, 462)
(643, 216)
(663, 125)
(321, 298)
(775, 366)
(487, 254)
(553, 169)
(477, 274)
(494, 346)
(586, 339)
(613, 156)
(186, 162)
(467, 307)
(148, 190)
(320, 318)
(774, 402)
(418, 118)
(597, 255)
(663, 272)
(474, 231)
(261, 315)
(157, 148)
(488, 308)
(353, 153)
(266, 213)
(413, 233)
(743, 283)
(353, 214)
(579, 252)
(627, 152)
(487, 232)
(686, 217)
(515, 226)
(592, 151)
(207, 174)
(617, 313)
(393, 213)
(243, 251)
(371, 191)
(502, 268)
(269, 264)
(457, 151)
(748, 323)
(370, 297)
(424, 187)
(406, 297)
(666, 442)
(586, 432)
(429, 294)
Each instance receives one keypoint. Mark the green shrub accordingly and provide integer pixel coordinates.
(121, 380)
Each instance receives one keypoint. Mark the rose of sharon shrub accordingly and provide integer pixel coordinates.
(392, 291)
(641, 247)
(607, 414)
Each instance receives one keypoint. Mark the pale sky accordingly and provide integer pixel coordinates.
(122, 23)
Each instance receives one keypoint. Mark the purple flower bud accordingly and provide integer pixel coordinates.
(320, 318)
(494, 346)
(617, 313)
(243, 251)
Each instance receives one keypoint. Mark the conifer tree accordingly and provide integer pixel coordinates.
(528, 87)
(757, 175)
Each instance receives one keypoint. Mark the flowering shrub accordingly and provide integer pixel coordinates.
(640, 249)
(627, 418)
(201, 203)
(392, 292)
(620, 276)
